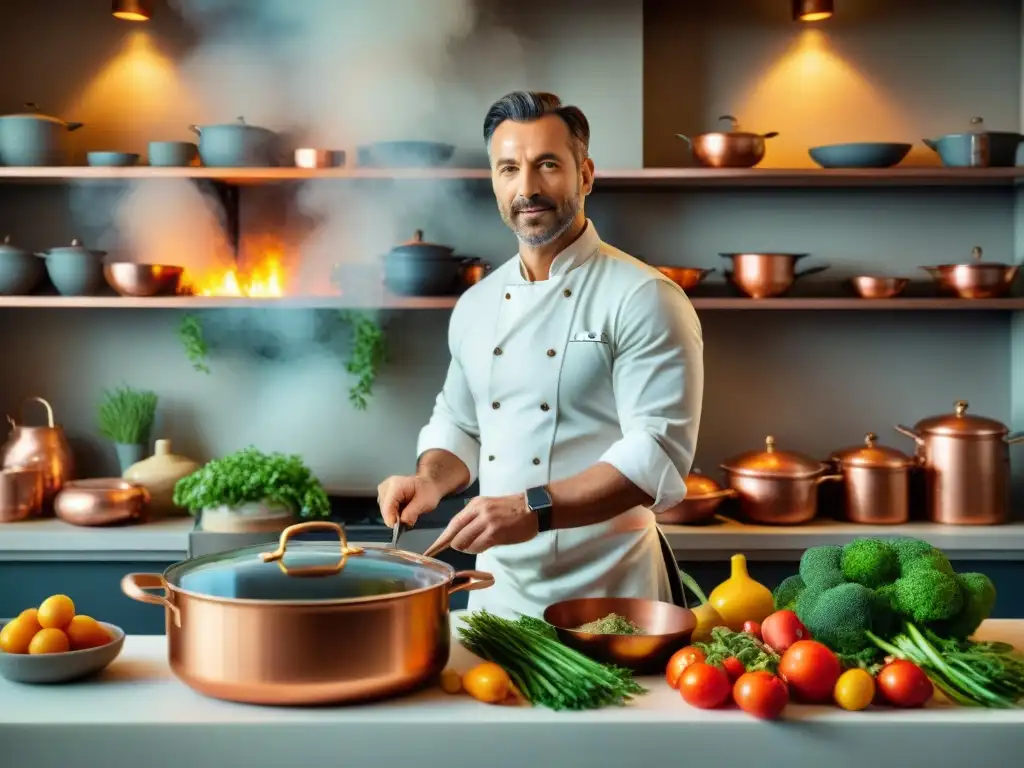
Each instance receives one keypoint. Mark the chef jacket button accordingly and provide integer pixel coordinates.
(495, 405)
(490, 458)
(545, 407)
(567, 293)
(497, 350)
(536, 462)
(551, 353)
(508, 296)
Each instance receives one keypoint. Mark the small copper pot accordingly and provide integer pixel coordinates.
(729, 149)
(308, 622)
(878, 287)
(475, 270)
(777, 487)
(685, 277)
(101, 501)
(975, 280)
(703, 497)
(765, 275)
(876, 483)
(21, 494)
(45, 448)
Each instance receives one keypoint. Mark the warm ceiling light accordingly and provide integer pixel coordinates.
(812, 10)
(133, 10)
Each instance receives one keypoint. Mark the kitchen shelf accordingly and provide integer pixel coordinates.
(445, 302)
(642, 177)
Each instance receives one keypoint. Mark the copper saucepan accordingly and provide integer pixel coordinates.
(766, 275)
(685, 277)
(307, 622)
(729, 149)
(975, 280)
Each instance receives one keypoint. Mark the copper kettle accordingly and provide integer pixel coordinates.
(45, 448)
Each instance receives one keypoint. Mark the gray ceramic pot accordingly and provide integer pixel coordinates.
(20, 270)
(237, 145)
(977, 148)
(75, 270)
(172, 154)
(129, 454)
(423, 276)
(34, 139)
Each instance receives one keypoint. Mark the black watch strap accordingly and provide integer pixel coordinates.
(538, 501)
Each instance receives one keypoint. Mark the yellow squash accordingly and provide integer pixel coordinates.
(740, 598)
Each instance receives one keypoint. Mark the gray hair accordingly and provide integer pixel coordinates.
(527, 106)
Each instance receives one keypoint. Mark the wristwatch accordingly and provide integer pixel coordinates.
(538, 501)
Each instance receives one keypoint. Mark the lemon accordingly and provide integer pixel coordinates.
(855, 689)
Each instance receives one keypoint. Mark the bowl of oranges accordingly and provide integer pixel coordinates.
(53, 644)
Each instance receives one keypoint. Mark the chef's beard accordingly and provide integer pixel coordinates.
(563, 214)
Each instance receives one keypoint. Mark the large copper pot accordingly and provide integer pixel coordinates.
(765, 275)
(976, 279)
(45, 448)
(729, 149)
(777, 487)
(703, 497)
(876, 483)
(966, 460)
(308, 622)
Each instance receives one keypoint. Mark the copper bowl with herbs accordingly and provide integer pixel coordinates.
(633, 633)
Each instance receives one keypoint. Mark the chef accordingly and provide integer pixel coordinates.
(573, 394)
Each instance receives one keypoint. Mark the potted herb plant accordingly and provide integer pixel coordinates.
(250, 491)
(126, 417)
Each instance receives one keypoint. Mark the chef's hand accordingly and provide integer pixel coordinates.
(406, 498)
(488, 521)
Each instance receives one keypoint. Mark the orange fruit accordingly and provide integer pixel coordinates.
(31, 616)
(85, 632)
(488, 683)
(49, 640)
(16, 635)
(56, 612)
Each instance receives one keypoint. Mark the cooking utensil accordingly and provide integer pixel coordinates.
(417, 248)
(475, 270)
(729, 149)
(34, 139)
(668, 628)
(878, 287)
(703, 497)
(766, 275)
(418, 268)
(405, 154)
(396, 533)
(173, 154)
(319, 158)
(977, 148)
(43, 448)
(101, 501)
(236, 145)
(876, 483)
(975, 280)
(863, 154)
(20, 270)
(777, 487)
(131, 279)
(685, 277)
(112, 159)
(51, 668)
(967, 466)
(322, 622)
(74, 270)
(21, 494)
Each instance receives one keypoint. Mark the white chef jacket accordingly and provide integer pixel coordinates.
(603, 361)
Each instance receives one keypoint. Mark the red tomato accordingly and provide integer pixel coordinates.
(680, 660)
(904, 684)
(782, 629)
(705, 686)
(761, 694)
(811, 670)
(752, 628)
(733, 668)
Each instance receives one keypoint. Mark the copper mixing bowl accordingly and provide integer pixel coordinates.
(668, 629)
(875, 287)
(131, 279)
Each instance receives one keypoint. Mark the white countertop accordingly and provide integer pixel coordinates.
(167, 540)
(137, 711)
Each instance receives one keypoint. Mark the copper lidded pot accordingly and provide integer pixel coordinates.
(966, 460)
(45, 448)
(777, 487)
(876, 483)
(976, 279)
(306, 622)
(729, 149)
(703, 497)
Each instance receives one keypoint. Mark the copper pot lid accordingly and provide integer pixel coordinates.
(304, 572)
(772, 462)
(873, 455)
(975, 263)
(961, 424)
(699, 484)
(735, 132)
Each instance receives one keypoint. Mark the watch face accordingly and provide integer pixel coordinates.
(538, 498)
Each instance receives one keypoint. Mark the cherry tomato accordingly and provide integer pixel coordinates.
(752, 628)
(904, 684)
(811, 670)
(761, 694)
(733, 668)
(680, 660)
(705, 686)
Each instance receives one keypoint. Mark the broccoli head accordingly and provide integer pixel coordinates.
(819, 566)
(926, 594)
(914, 553)
(840, 616)
(979, 598)
(869, 562)
(788, 591)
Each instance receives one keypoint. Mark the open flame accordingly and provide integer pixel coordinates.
(264, 280)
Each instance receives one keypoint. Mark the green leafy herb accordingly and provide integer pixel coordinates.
(190, 332)
(126, 415)
(753, 654)
(368, 354)
(251, 475)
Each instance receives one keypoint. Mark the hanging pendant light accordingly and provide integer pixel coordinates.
(812, 10)
(133, 10)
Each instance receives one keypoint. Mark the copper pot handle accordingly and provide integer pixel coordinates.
(908, 432)
(471, 581)
(725, 493)
(827, 478)
(1015, 437)
(49, 410)
(311, 570)
(134, 585)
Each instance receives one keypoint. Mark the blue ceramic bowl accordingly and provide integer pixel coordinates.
(48, 668)
(112, 159)
(405, 154)
(859, 155)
